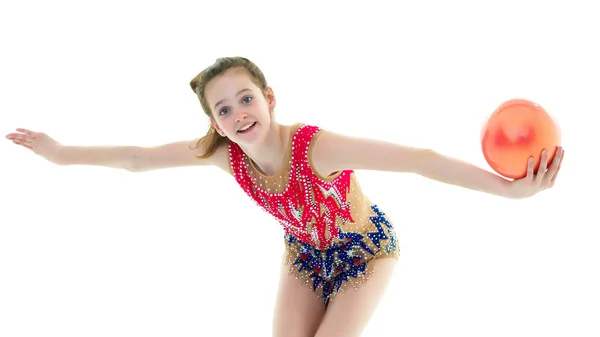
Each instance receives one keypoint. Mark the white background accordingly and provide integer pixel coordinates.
(91, 251)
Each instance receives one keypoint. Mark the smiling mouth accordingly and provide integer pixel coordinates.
(247, 128)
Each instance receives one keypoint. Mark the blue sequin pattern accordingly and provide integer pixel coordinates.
(325, 271)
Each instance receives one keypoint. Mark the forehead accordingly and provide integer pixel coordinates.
(228, 83)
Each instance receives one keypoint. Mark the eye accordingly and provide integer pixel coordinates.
(247, 99)
(223, 111)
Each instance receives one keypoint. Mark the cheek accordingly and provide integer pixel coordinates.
(264, 108)
(226, 124)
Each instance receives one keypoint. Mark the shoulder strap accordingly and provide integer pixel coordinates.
(301, 142)
(238, 167)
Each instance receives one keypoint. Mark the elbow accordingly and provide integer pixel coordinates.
(424, 160)
(134, 161)
(132, 169)
(135, 165)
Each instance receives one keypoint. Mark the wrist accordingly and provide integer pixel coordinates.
(506, 189)
(58, 157)
(515, 192)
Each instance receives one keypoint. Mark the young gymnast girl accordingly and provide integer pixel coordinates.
(340, 248)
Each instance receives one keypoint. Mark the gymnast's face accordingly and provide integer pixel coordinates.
(241, 110)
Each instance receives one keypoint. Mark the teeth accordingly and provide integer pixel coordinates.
(246, 127)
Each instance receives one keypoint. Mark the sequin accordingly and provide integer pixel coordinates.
(331, 228)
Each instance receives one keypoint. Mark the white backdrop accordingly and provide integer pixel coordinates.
(90, 251)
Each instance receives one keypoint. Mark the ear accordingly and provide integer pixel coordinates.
(270, 97)
(217, 128)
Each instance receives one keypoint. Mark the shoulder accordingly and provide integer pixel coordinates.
(323, 144)
(313, 143)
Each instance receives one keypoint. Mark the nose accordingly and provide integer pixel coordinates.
(241, 116)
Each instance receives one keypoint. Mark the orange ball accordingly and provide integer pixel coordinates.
(517, 130)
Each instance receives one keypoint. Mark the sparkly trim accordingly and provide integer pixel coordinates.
(329, 271)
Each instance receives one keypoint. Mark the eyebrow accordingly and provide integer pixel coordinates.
(239, 92)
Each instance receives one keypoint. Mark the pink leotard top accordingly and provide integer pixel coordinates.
(311, 208)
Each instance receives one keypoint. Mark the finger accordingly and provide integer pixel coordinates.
(17, 135)
(25, 146)
(20, 136)
(530, 163)
(25, 131)
(23, 142)
(541, 172)
(562, 154)
(555, 163)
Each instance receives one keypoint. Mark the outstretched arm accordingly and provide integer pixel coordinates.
(131, 158)
(332, 152)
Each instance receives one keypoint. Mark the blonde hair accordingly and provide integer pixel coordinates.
(212, 140)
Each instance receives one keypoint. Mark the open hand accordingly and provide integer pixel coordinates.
(38, 142)
(542, 180)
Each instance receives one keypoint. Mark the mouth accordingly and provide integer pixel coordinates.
(247, 128)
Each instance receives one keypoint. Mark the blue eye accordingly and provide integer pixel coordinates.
(247, 99)
(223, 111)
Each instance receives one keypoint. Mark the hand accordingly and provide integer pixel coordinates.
(37, 142)
(544, 179)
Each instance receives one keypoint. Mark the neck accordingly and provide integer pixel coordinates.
(269, 154)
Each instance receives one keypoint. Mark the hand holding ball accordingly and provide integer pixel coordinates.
(517, 130)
